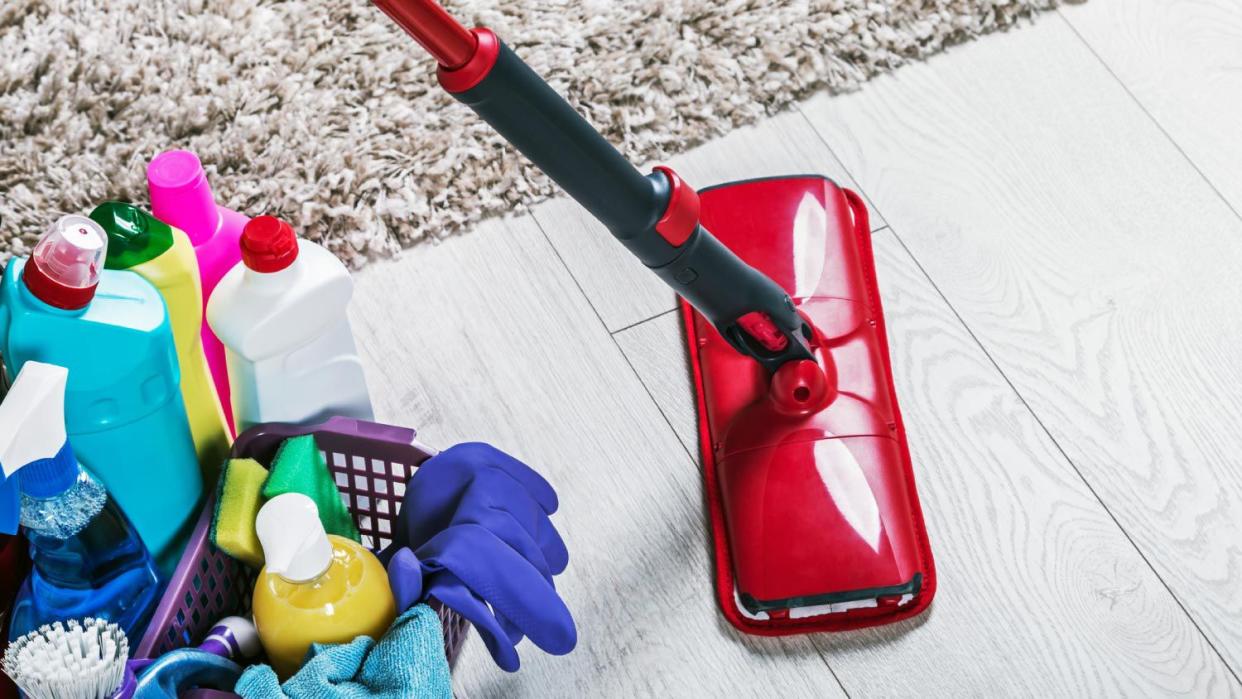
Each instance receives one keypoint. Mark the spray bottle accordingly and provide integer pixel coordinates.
(87, 559)
(283, 318)
(182, 198)
(124, 411)
(314, 587)
(164, 256)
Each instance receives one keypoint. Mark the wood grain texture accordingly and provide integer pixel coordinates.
(485, 337)
(1096, 267)
(1182, 61)
(620, 289)
(1041, 594)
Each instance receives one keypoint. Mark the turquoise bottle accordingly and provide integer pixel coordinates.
(123, 409)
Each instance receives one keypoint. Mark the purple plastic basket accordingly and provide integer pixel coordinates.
(371, 463)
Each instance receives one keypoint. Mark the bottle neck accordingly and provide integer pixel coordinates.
(214, 222)
(311, 581)
(273, 282)
(64, 514)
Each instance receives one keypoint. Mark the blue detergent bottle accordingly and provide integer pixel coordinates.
(87, 559)
(123, 406)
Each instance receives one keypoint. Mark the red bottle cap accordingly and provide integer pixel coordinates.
(64, 268)
(268, 244)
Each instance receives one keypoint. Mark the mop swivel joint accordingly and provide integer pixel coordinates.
(803, 387)
(749, 310)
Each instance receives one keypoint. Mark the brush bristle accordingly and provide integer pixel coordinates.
(70, 660)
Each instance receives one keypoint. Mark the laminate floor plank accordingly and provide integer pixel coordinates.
(1182, 62)
(1095, 265)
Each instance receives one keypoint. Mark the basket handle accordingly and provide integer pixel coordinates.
(262, 441)
(354, 427)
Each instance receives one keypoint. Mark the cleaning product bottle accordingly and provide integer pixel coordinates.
(182, 198)
(281, 315)
(164, 256)
(123, 409)
(315, 587)
(88, 561)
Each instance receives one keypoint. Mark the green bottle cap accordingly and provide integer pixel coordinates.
(134, 236)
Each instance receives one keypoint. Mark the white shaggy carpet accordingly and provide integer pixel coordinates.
(323, 112)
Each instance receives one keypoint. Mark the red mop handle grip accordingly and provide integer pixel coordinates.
(451, 44)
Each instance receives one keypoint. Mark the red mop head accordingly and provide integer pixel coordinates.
(816, 521)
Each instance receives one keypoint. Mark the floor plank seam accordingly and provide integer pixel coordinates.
(824, 656)
(1086, 482)
(631, 326)
(1151, 117)
(828, 146)
(547, 239)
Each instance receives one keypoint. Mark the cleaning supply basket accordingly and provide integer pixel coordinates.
(371, 463)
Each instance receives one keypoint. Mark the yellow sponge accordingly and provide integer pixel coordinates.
(238, 499)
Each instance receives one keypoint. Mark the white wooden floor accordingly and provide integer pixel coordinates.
(1059, 248)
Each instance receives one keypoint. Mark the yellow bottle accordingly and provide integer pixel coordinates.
(314, 587)
(164, 256)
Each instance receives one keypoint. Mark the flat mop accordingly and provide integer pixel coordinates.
(813, 507)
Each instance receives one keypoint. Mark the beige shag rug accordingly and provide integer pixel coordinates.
(323, 112)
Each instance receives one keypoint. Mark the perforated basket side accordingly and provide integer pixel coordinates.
(206, 586)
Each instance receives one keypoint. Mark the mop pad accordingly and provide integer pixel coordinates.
(300, 468)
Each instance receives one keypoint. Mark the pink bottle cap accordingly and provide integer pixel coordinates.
(181, 196)
(67, 261)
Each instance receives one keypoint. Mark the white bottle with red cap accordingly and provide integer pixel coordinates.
(282, 316)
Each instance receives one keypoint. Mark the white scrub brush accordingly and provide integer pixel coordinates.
(70, 660)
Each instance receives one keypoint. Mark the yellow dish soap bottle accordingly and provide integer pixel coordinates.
(164, 256)
(314, 587)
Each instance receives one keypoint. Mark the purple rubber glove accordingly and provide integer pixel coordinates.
(476, 483)
(474, 533)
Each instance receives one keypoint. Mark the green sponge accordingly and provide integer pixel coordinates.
(300, 468)
(238, 499)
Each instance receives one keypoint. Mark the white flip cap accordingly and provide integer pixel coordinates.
(295, 546)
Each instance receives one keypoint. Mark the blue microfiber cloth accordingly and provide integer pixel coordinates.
(407, 663)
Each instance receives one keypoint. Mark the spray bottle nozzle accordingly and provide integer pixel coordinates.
(33, 441)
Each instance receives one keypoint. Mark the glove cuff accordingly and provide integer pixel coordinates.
(405, 577)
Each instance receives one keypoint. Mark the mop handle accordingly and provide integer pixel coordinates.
(655, 216)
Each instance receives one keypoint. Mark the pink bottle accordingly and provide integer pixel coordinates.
(181, 197)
